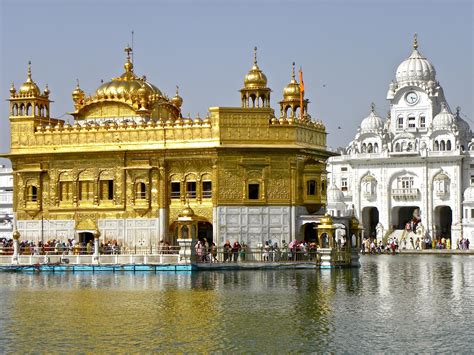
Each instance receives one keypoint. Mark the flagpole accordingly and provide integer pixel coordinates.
(301, 93)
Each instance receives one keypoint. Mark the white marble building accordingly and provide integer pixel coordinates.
(414, 165)
(6, 202)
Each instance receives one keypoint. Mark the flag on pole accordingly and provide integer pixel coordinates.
(301, 93)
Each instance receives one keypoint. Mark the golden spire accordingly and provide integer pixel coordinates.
(29, 80)
(46, 90)
(415, 42)
(372, 107)
(293, 72)
(128, 64)
(255, 55)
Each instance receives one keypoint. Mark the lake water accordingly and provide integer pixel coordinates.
(391, 304)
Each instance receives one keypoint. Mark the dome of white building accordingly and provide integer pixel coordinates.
(415, 68)
(444, 119)
(469, 194)
(372, 122)
(334, 194)
(463, 125)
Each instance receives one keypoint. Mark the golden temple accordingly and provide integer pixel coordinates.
(130, 163)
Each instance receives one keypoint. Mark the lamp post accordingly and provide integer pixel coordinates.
(95, 257)
(16, 247)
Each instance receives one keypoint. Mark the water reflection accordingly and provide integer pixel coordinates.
(390, 304)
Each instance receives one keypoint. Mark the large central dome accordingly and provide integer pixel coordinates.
(126, 85)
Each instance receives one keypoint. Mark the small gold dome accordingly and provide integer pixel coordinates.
(187, 212)
(326, 220)
(177, 100)
(255, 77)
(292, 90)
(46, 90)
(29, 87)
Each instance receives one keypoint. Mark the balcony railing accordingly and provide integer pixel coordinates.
(405, 194)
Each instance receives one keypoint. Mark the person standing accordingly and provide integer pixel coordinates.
(235, 251)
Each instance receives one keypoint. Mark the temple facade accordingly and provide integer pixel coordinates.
(129, 163)
(409, 175)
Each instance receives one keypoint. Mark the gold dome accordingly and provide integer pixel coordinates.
(29, 87)
(255, 77)
(177, 100)
(126, 85)
(78, 93)
(187, 212)
(292, 90)
(326, 220)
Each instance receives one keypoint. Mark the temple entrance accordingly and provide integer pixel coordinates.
(205, 231)
(443, 220)
(403, 215)
(370, 218)
(86, 237)
(310, 233)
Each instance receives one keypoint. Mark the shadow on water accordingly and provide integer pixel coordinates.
(422, 303)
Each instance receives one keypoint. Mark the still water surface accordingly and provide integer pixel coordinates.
(390, 304)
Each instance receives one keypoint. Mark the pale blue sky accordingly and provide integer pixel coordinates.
(351, 47)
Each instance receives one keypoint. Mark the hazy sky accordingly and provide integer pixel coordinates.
(349, 50)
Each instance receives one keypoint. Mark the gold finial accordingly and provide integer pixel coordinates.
(12, 88)
(77, 81)
(415, 41)
(255, 55)
(293, 72)
(372, 107)
(177, 90)
(29, 72)
(46, 90)
(128, 50)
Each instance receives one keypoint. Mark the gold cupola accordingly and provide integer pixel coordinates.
(29, 87)
(292, 90)
(177, 100)
(292, 100)
(78, 96)
(255, 93)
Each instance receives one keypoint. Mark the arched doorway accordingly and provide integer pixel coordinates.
(310, 233)
(443, 221)
(370, 219)
(401, 215)
(86, 237)
(205, 231)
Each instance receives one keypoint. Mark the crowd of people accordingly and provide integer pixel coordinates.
(58, 247)
(268, 252)
(372, 246)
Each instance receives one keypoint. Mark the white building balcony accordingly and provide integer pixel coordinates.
(405, 194)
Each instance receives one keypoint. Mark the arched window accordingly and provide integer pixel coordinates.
(422, 121)
(32, 195)
(436, 146)
(311, 187)
(442, 146)
(369, 148)
(28, 109)
(140, 192)
(364, 148)
(15, 110)
(397, 147)
(22, 109)
(400, 122)
(448, 145)
(376, 148)
(411, 121)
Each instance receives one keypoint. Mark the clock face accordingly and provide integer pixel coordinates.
(411, 98)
